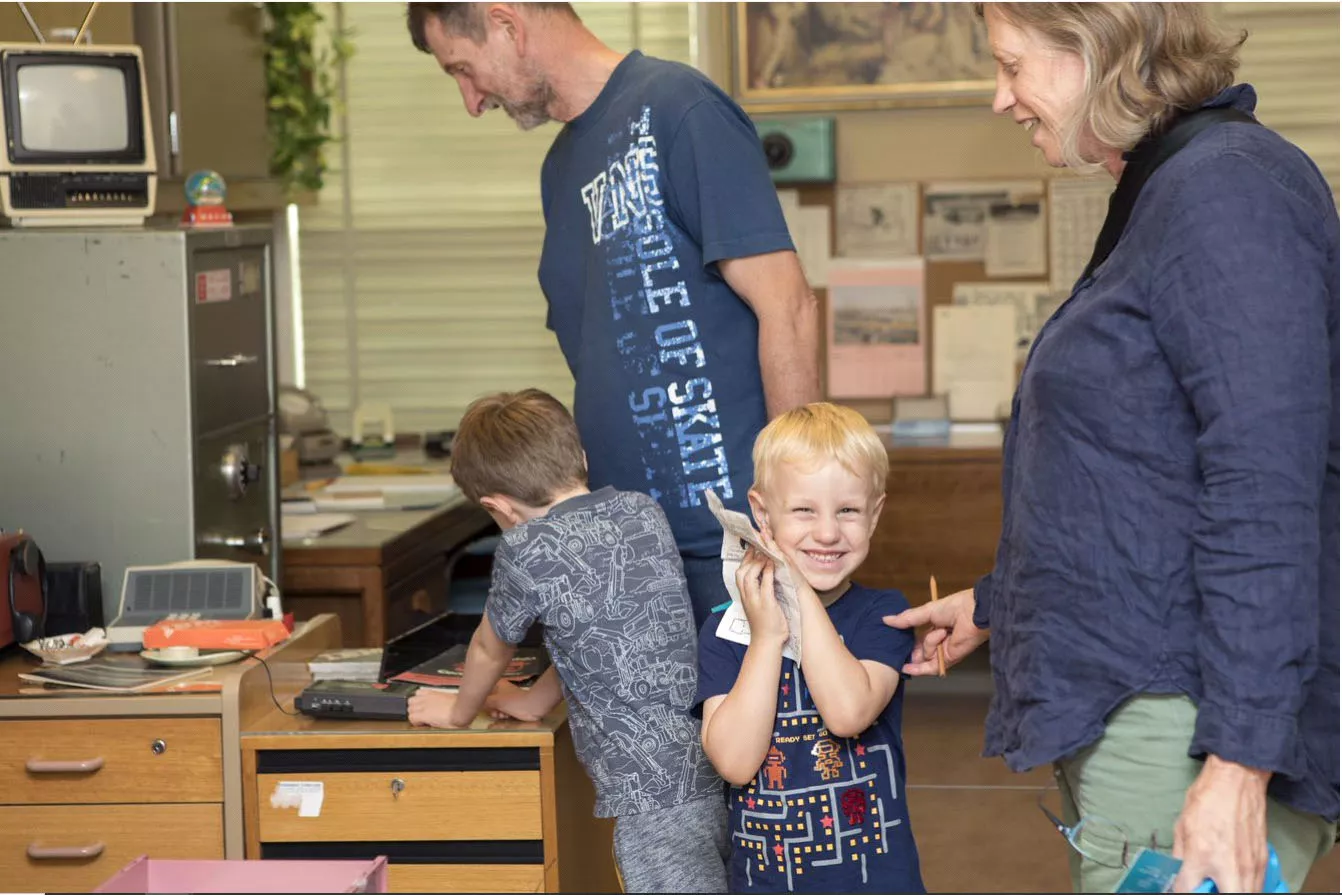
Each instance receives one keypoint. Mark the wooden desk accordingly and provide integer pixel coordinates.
(161, 771)
(377, 572)
(942, 516)
(501, 807)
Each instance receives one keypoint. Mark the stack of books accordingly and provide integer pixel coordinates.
(353, 664)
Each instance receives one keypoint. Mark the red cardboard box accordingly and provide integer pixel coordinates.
(247, 634)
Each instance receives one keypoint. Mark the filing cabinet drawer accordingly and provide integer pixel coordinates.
(77, 848)
(230, 336)
(232, 518)
(436, 805)
(465, 878)
(110, 760)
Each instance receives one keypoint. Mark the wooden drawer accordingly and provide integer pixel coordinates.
(112, 760)
(465, 878)
(432, 805)
(113, 836)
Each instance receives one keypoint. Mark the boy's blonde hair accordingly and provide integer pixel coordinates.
(522, 445)
(815, 433)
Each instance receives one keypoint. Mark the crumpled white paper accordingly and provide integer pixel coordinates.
(738, 532)
(67, 649)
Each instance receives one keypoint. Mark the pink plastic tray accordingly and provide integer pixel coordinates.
(146, 874)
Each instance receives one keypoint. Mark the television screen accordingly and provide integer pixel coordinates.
(74, 108)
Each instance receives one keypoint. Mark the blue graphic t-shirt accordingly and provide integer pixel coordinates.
(662, 177)
(601, 573)
(824, 813)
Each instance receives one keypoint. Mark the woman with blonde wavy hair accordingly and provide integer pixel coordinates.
(1164, 602)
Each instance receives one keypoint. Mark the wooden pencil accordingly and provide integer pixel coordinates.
(941, 647)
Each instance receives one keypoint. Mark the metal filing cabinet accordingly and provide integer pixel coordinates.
(137, 387)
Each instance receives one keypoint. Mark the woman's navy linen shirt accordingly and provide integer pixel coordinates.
(1170, 477)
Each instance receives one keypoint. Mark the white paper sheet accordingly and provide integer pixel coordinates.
(1029, 300)
(974, 359)
(301, 526)
(736, 529)
(1015, 244)
(955, 215)
(809, 227)
(420, 484)
(1077, 208)
(877, 220)
(306, 795)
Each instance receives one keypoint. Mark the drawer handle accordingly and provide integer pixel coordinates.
(40, 853)
(236, 360)
(87, 766)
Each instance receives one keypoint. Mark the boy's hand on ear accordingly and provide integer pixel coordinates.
(755, 580)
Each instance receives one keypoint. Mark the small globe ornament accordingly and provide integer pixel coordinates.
(205, 194)
(206, 188)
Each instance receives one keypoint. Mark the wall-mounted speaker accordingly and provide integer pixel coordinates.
(799, 150)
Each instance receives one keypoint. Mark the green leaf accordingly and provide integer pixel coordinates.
(302, 87)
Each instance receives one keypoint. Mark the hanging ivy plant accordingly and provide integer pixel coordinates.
(302, 69)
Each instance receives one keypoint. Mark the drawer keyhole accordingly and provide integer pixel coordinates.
(158, 747)
(397, 784)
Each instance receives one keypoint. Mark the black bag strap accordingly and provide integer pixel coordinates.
(1152, 152)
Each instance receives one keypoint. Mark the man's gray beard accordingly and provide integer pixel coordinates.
(531, 113)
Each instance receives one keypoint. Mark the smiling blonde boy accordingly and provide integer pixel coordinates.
(812, 748)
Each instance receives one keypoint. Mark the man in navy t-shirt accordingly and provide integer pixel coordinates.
(672, 284)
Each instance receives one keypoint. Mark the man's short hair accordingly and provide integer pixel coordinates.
(817, 433)
(464, 19)
(522, 445)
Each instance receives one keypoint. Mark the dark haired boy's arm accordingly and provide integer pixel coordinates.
(486, 660)
(530, 703)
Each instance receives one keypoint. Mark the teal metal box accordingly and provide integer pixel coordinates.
(799, 150)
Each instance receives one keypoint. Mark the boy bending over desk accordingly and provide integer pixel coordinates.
(601, 572)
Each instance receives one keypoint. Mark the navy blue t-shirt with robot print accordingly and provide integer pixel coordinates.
(644, 192)
(824, 813)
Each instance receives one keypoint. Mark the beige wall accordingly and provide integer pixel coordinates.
(929, 144)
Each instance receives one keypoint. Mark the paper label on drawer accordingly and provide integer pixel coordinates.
(214, 285)
(306, 796)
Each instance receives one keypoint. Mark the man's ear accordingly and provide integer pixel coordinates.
(511, 20)
(758, 510)
(502, 506)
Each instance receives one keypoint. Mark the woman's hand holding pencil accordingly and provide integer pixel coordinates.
(953, 634)
(941, 647)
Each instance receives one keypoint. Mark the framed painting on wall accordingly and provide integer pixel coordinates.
(792, 57)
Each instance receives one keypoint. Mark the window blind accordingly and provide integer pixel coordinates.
(1291, 58)
(418, 263)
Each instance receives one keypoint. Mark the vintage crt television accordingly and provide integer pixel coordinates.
(78, 150)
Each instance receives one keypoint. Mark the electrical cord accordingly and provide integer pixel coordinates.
(273, 594)
(273, 698)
